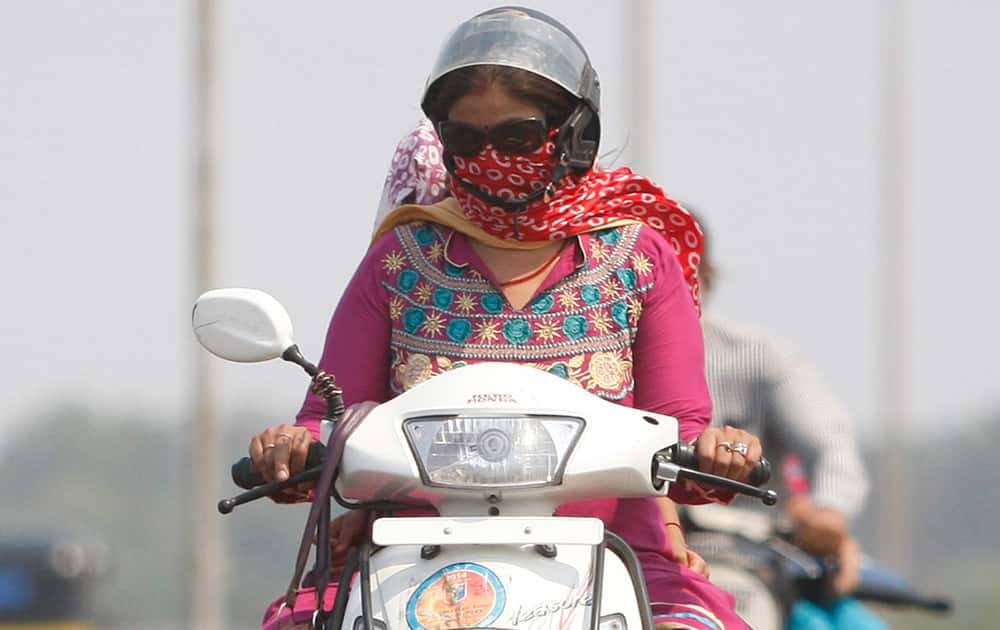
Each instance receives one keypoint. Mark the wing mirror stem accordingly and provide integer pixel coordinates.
(324, 385)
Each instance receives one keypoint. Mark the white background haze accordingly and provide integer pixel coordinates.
(767, 121)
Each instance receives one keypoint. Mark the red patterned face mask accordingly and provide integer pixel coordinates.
(509, 177)
(586, 203)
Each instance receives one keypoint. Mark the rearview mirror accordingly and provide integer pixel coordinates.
(244, 325)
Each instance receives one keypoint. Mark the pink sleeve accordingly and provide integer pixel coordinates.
(669, 361)
(356, 351)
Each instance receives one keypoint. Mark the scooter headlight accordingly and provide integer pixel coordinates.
(492, 451)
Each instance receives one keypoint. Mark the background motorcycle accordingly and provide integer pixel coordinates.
(757, 561)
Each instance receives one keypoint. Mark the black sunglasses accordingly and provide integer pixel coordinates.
(520, 136)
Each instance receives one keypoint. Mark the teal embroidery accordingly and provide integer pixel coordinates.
(543, 303)
(492, 303)
(443, 298)
(459, 330)
(610, 237)
(559, 369)
(577, 316)
(619, 312)
(407, 280)
(424, 235)
(590, 294)
(413, 319)
(627, 278)
(517, 331)
(575, 327)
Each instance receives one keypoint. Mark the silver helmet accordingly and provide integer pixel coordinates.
(522, 38)
(517, 37)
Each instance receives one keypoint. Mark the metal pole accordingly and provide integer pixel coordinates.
(207, 589)
(639, 66)
(894, 540)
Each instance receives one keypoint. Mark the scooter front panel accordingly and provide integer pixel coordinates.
(508, 586)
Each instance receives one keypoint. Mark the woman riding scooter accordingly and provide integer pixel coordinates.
(539, 258)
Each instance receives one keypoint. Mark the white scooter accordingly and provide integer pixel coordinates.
(494, 449)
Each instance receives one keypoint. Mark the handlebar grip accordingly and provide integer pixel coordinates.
(686, 456)
(246, 476)
(761, 473)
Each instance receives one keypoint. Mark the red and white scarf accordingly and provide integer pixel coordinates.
(596, 200)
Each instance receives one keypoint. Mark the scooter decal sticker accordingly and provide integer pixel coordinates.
(462, 595)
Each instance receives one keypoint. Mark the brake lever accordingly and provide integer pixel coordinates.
(226, 506)
(666, 470)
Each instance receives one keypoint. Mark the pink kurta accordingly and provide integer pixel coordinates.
(614, 315)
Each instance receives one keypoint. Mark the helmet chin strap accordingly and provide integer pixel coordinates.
(509, 205)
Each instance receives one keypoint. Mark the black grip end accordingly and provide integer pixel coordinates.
(245, 474)
(943, 605)
(761, 474)
(226, 506)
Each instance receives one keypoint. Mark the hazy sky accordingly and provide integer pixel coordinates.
(767, 119)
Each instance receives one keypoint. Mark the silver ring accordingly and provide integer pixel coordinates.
(726, 445)
(741, 448)
(271, 445)
(287, 435)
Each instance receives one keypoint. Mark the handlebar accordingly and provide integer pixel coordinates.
(890, 597)
(672, 464)
(680, 461)
(685, 455)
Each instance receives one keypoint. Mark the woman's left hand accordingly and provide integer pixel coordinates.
(696, 563)
(728, 452)
(681, 553)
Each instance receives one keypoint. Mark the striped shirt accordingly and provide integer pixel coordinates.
(759, 384)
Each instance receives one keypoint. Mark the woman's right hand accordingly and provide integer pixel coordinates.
(728, 452)
(280, 452)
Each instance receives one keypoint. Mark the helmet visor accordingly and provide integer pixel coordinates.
(520, 38)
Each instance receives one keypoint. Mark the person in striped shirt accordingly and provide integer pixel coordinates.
(759, 383)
